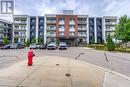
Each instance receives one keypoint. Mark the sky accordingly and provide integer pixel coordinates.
(87, 7)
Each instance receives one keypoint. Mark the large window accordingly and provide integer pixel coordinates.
(61, 28)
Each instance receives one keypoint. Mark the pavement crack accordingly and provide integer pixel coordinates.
(106, 57)
(79, 56)
(30, 74)
(69, 75)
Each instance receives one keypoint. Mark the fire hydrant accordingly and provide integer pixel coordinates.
(30, 57)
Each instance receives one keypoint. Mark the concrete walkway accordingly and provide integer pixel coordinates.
(53, 71)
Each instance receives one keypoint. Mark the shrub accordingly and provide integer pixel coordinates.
(110, 44)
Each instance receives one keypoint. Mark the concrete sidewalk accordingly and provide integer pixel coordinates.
(53, 71)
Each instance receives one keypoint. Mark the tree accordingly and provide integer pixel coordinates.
(110, 44)
(41, 40)
(6, 41)
(27, 43)
(34, 40)
(123, 29)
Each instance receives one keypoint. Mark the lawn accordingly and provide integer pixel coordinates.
(103, 47)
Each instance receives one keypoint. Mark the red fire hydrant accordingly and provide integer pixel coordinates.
(30, 57)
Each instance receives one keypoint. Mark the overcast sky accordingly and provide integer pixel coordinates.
(88, 7)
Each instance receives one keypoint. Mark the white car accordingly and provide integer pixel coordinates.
(51, 46)
(62, 46)
(33, 46)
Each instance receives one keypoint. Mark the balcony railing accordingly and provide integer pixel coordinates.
(19, 36)
(20, 22)
(61, 22)
(71, 29)
(51, 21)
(110, 29)
(82, 29)
(110, 23)
(51, 28)
(51, 35)
(20, 29)
(61, 29)
(82, 35)
(71, 23)
(82, 22)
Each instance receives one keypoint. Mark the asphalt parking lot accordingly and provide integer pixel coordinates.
(116, 61)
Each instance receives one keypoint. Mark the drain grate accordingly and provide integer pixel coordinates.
(67, 74)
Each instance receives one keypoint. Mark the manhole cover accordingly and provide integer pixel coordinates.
(57, 64)
(67, 74)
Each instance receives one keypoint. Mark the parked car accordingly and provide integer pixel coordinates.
(42, 47)
(20, 45)
(62, 46)
(52, 45)
(33, 46)
(14, 46)
(5, 47)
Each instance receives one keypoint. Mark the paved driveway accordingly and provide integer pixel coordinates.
(119, 62)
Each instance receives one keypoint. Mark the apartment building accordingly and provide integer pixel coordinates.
(109, 26)
(20, 28)
(36, 28)
(66, 27)
(28, 28)
(63, 27)
(5, 30)
(100, 28)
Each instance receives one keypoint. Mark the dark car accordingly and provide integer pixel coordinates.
(42, 47)
(14, 46)
(51, 46)
(5, 47)
(62, 46)
(20, 45)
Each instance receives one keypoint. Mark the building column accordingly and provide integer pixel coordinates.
(104, 30)
(87, 30)
(45, 30)
(28, 29)
(37, 22)
(95, 30)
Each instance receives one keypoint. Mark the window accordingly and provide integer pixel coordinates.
(41, 33)
(61, 33)
(72, 33)
(61, 28)
(72, 26)
(61, 20)
(32, 27)
(41, 21)
(32, 33)
(41, 27)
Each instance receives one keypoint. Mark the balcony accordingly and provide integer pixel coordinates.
(71, 23)
(51, 21)
(110, 29)
(61, 34)
(72, 34)
(19, 29)
(61, 29)
(82, 29)
(19, 36)
(82, 22)
(82, 35)
(110, 23)
(51, 35)
(72, 30)
(51, 28)
(61, 22)
(20, 22)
